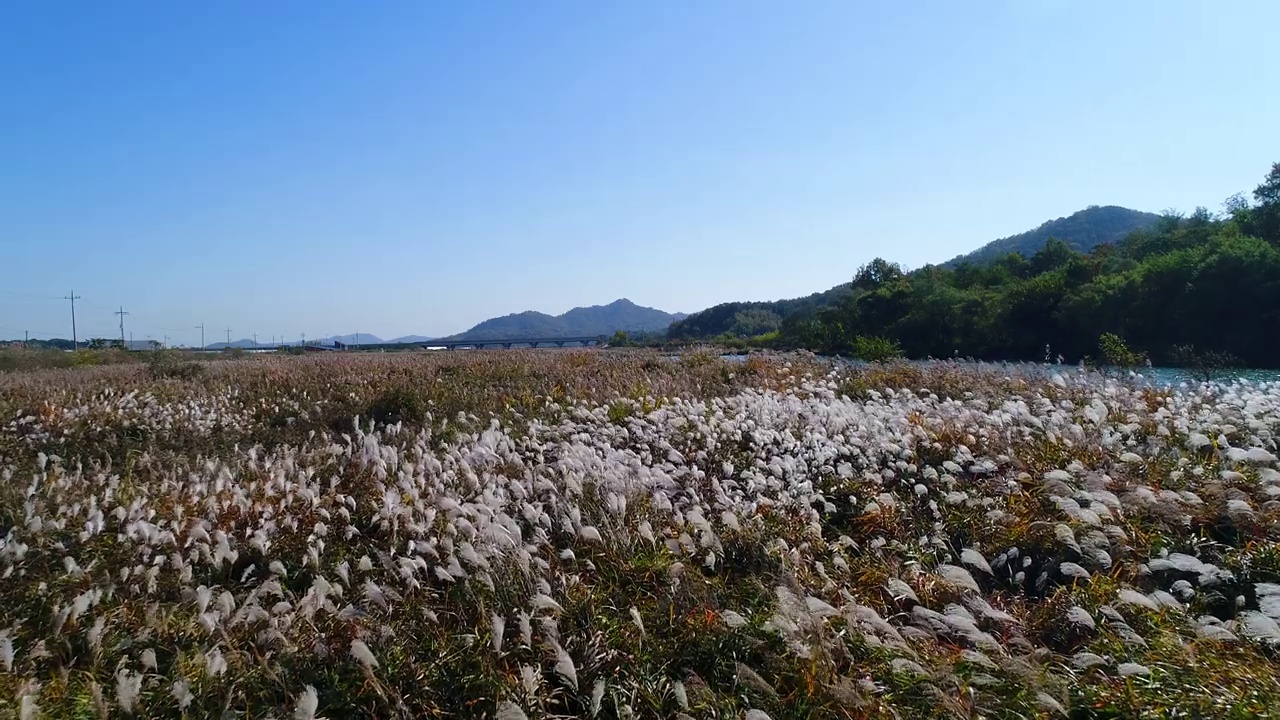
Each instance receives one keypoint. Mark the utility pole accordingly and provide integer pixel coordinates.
(201, 329)
(73, 297)
(255, 339)
(121, 312)
(228, 337)
(166, 341)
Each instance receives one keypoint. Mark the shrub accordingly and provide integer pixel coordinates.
(1116, 352)
(397, 404)
(162, 364)
(875, 349)
(17, 358)
(1204, 364)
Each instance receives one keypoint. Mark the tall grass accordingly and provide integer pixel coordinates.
(615, 534)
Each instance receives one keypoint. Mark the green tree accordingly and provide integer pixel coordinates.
(1264, 220)
(754, 321)
(1052, 256)
(1116, 352)
(876, 273)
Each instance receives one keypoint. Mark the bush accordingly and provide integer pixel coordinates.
(18, 358)
(397, 404)
(1116, 352)
(162, 364)
(1203, 364)
(875, 349)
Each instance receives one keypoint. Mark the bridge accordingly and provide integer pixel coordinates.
(584, 341)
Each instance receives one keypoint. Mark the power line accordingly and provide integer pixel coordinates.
(121, 312)
(75, 344)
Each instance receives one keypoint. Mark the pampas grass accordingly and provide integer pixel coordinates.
(804, 540)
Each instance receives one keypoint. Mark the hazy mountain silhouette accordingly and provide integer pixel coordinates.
(580, 321)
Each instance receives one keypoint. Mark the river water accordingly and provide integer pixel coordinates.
(1155, 375)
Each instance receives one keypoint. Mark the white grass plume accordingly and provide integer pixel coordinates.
(498, 624)
(565, 668)
(510, 711)
(6, 651)
(363, 654)
(128, 688)
(597, 697)
(542, 601)
(181, 692)
(308, 703)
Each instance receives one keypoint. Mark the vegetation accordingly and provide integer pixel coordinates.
(532, 534)
(1116, 353)
(16, 357)
(875, 349)
(1204, 364)
(170, 364)
(1212, 282)
(1082, 231)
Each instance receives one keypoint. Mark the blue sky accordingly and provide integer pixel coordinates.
(416, 167)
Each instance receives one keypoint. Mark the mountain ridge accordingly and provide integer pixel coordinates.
(621, 314)
(1083, 230)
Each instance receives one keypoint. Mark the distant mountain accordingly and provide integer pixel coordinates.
(1083, 231)
(355, 339)
(409, 339)
(352, 339)
(241, 343)
(581, 321)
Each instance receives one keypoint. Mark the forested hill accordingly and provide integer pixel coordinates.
(581, 321)
(1204, 280)
(1081, 231)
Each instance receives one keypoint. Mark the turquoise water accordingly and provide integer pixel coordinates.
(1157, 375)
(1174, 376)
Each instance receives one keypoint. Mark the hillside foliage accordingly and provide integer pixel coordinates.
(1206, 281)
(1082, 231)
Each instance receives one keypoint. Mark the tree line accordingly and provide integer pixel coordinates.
(1189, 287)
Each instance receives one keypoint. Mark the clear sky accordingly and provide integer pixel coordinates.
(416, 167)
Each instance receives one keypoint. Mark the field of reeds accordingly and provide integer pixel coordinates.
(614, 534)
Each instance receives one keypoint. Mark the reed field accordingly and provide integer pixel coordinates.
(624, 534)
